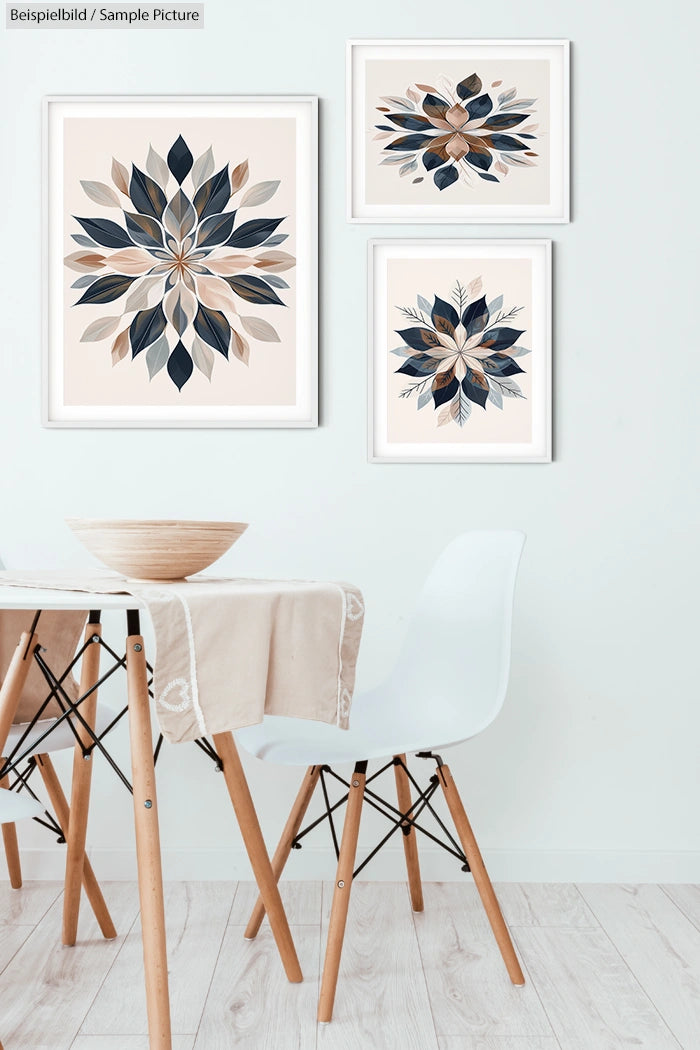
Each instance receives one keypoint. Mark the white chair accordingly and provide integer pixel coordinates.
(448, 684)
(15, 807)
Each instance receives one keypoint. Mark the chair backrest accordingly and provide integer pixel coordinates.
(453, 668)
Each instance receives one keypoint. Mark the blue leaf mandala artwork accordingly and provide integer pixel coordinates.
(179, 263)
(460, 352)
(457, 131)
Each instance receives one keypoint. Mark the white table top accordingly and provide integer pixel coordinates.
(50, 598)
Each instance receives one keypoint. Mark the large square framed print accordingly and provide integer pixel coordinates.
(458, 131)
(460, 351)
(180, 261)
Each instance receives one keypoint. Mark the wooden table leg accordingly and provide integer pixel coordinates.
(59, 804)
(76, 832)
(255, 846)
(9, 841)
(410, 845)
(147, 842)
(284, 846)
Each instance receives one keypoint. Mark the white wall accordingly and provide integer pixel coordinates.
(591, 770)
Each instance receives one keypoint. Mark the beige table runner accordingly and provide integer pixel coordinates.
(229, 651)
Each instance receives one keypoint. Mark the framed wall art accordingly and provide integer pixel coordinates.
(180, 259)
(458, 131)
(460, 351)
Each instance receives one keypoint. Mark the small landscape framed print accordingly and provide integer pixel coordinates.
(460, 351)
(458, 131)
(180, 261)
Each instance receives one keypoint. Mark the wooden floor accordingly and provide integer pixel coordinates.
(606, 967)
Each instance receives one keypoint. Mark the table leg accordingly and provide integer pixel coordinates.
(255, 846)
(76, 832)
(10, 693)
(147, 842)
(9, 841)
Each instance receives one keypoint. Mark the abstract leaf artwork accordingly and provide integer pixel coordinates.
(180, 262)
(457, 131)
(460, 353)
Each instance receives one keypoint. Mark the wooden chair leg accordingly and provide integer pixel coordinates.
(80, 787)
(284, 846)
(341, 893)
(481, 878)
(148, 854)
(410, 845)
(9, 839)
(59, 804)
(244, 809)
(13, 683)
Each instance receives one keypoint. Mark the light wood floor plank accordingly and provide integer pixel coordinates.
(470, 991)
(382, 998)
(506, 1042)
(196, 914)
(302, 903)
(47, 989)
(687, 898)
(11, 940)
(660, 946)
(544, 904)
(592, 998)
(252, 1005)
(126, 1042)
(28, 905)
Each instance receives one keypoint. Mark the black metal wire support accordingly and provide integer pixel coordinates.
(397, 819)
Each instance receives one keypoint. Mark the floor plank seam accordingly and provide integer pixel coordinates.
(422, 966)
(216, 963)
(528, 977)
(680, 908)
(107, 973)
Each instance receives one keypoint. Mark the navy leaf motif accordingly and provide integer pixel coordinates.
(106, 289)
(486, 177)
(501, 365)
(476, 387)
(144, 230)
(215, 230)
(213, 195)
(469, 87)
(254, 290)
(479, 158)
(146, 195)
(180, 365)
(501, 338)
(409, 143)
(479, 107)
(444, 177)
(435, 107)
(444, 316)
(503, 121)
(475, 317)
(145, 328)
(419, 338)
(419, 365)
(444, 387)
(180, 160)
(434, 158)
(105, 232)
(504, 142)
(253, 233)
(410, 121)
(213, 328)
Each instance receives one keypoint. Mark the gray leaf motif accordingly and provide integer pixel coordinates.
(424, 305)
(100, 194)
(99, 329)
(157, 168)
(157, 356)
(507, 96)
(202, 356)
(259, 194)
(203, 167)
(495, 305)
(425, 398)
(260, 329)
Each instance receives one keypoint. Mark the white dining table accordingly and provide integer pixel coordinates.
(150, 878)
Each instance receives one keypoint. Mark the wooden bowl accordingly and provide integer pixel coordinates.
(156, 550)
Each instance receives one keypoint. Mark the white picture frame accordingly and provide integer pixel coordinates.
(478, 183)
(294, 119)
(515, 427)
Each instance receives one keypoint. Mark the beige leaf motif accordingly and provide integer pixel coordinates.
(99, 329)
(138, 299)
(84, 262)
(259, 194)
(120, 347)
(239, 176)
(240, 346)
(203, 357)
(230, 264)
(131, 260)
(215, 293)
(120, 176)
(474, 288)
(156, 167)
(100, 194)
(444, 415)
(275, 262)
(260, 329)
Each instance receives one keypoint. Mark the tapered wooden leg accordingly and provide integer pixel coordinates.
(9, 840)
(59, 804)
(148, 847)
(80, 787)
(410, 845)
(481, 878)
(284, 846)
(341, 893)
(244, 809)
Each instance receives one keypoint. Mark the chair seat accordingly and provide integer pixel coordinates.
(59, 739)
(16, 807)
